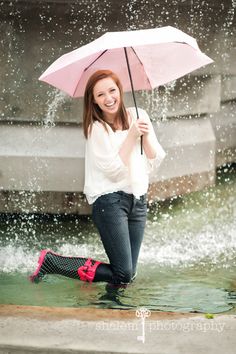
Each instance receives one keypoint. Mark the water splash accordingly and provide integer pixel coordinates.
(229, 34)
(191, 231)
(210, 247)
(53, 104)
(157, 101)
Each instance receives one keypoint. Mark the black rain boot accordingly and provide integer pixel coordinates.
(81, 268)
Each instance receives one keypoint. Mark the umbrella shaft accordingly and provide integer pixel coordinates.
(131, 81)
(132, 87)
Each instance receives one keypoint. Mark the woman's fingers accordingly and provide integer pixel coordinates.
(143, 127)
(140, 127)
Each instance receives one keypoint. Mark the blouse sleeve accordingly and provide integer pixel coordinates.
(105, 153)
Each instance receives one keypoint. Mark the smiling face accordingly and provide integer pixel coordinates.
(107, 96)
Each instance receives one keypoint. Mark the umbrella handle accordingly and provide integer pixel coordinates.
(132, 87)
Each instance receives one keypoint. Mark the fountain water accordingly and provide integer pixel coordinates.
(58, 98)
(187, 262)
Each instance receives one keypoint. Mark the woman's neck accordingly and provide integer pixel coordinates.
(114, 126)
(115, 121)
(110, 118)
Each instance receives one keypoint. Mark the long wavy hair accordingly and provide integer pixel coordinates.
(92, 112)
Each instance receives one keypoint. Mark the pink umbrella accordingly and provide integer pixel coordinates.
(142, 59)
(155, 57)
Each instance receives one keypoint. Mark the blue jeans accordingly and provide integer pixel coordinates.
(120, 219)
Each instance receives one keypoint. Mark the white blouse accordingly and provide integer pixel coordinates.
(105, 172)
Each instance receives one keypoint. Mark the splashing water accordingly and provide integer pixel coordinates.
(58, 98)
(158, 103)
(187, 261)
(185, 231)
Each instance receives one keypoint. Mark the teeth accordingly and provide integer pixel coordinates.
(110, 104)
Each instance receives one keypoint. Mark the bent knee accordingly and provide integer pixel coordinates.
(124, 276)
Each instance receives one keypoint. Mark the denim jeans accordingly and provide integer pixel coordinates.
(120, 219)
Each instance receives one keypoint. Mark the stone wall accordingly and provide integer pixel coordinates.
(41, 142)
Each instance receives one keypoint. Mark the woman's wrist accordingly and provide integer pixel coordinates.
(146, 137)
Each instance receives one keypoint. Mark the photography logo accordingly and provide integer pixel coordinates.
(142, 313)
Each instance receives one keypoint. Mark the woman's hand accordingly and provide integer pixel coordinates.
(140, 127)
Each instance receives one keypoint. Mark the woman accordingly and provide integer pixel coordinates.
(116, 183)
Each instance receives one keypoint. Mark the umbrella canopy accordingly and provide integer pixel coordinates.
(155, 56)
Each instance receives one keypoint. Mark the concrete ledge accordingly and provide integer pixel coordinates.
(83, 314)
(224, 125)
(228, 88)
(180, 185)
(75, 203)
(35, 158)
(42, 169)
(190, 147)
(162, 334)
(43, 202)
(52, 159)
(187, 96)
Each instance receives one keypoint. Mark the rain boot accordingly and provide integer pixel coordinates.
(85, 269)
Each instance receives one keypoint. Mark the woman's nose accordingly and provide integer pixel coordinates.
(108, 98)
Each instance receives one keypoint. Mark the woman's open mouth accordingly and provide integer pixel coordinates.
(111, 104)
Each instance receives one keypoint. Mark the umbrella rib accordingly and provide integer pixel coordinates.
(142, 66)
(95, 60)
(89, 67)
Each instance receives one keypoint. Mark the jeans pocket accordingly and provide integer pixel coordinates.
(106, 210)
(109, 199)
(143, 200)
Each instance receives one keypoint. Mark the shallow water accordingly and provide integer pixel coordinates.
(187, 262)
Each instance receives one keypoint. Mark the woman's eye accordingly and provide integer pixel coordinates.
(112, 90)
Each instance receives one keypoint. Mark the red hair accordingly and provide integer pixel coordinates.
(92, 112)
